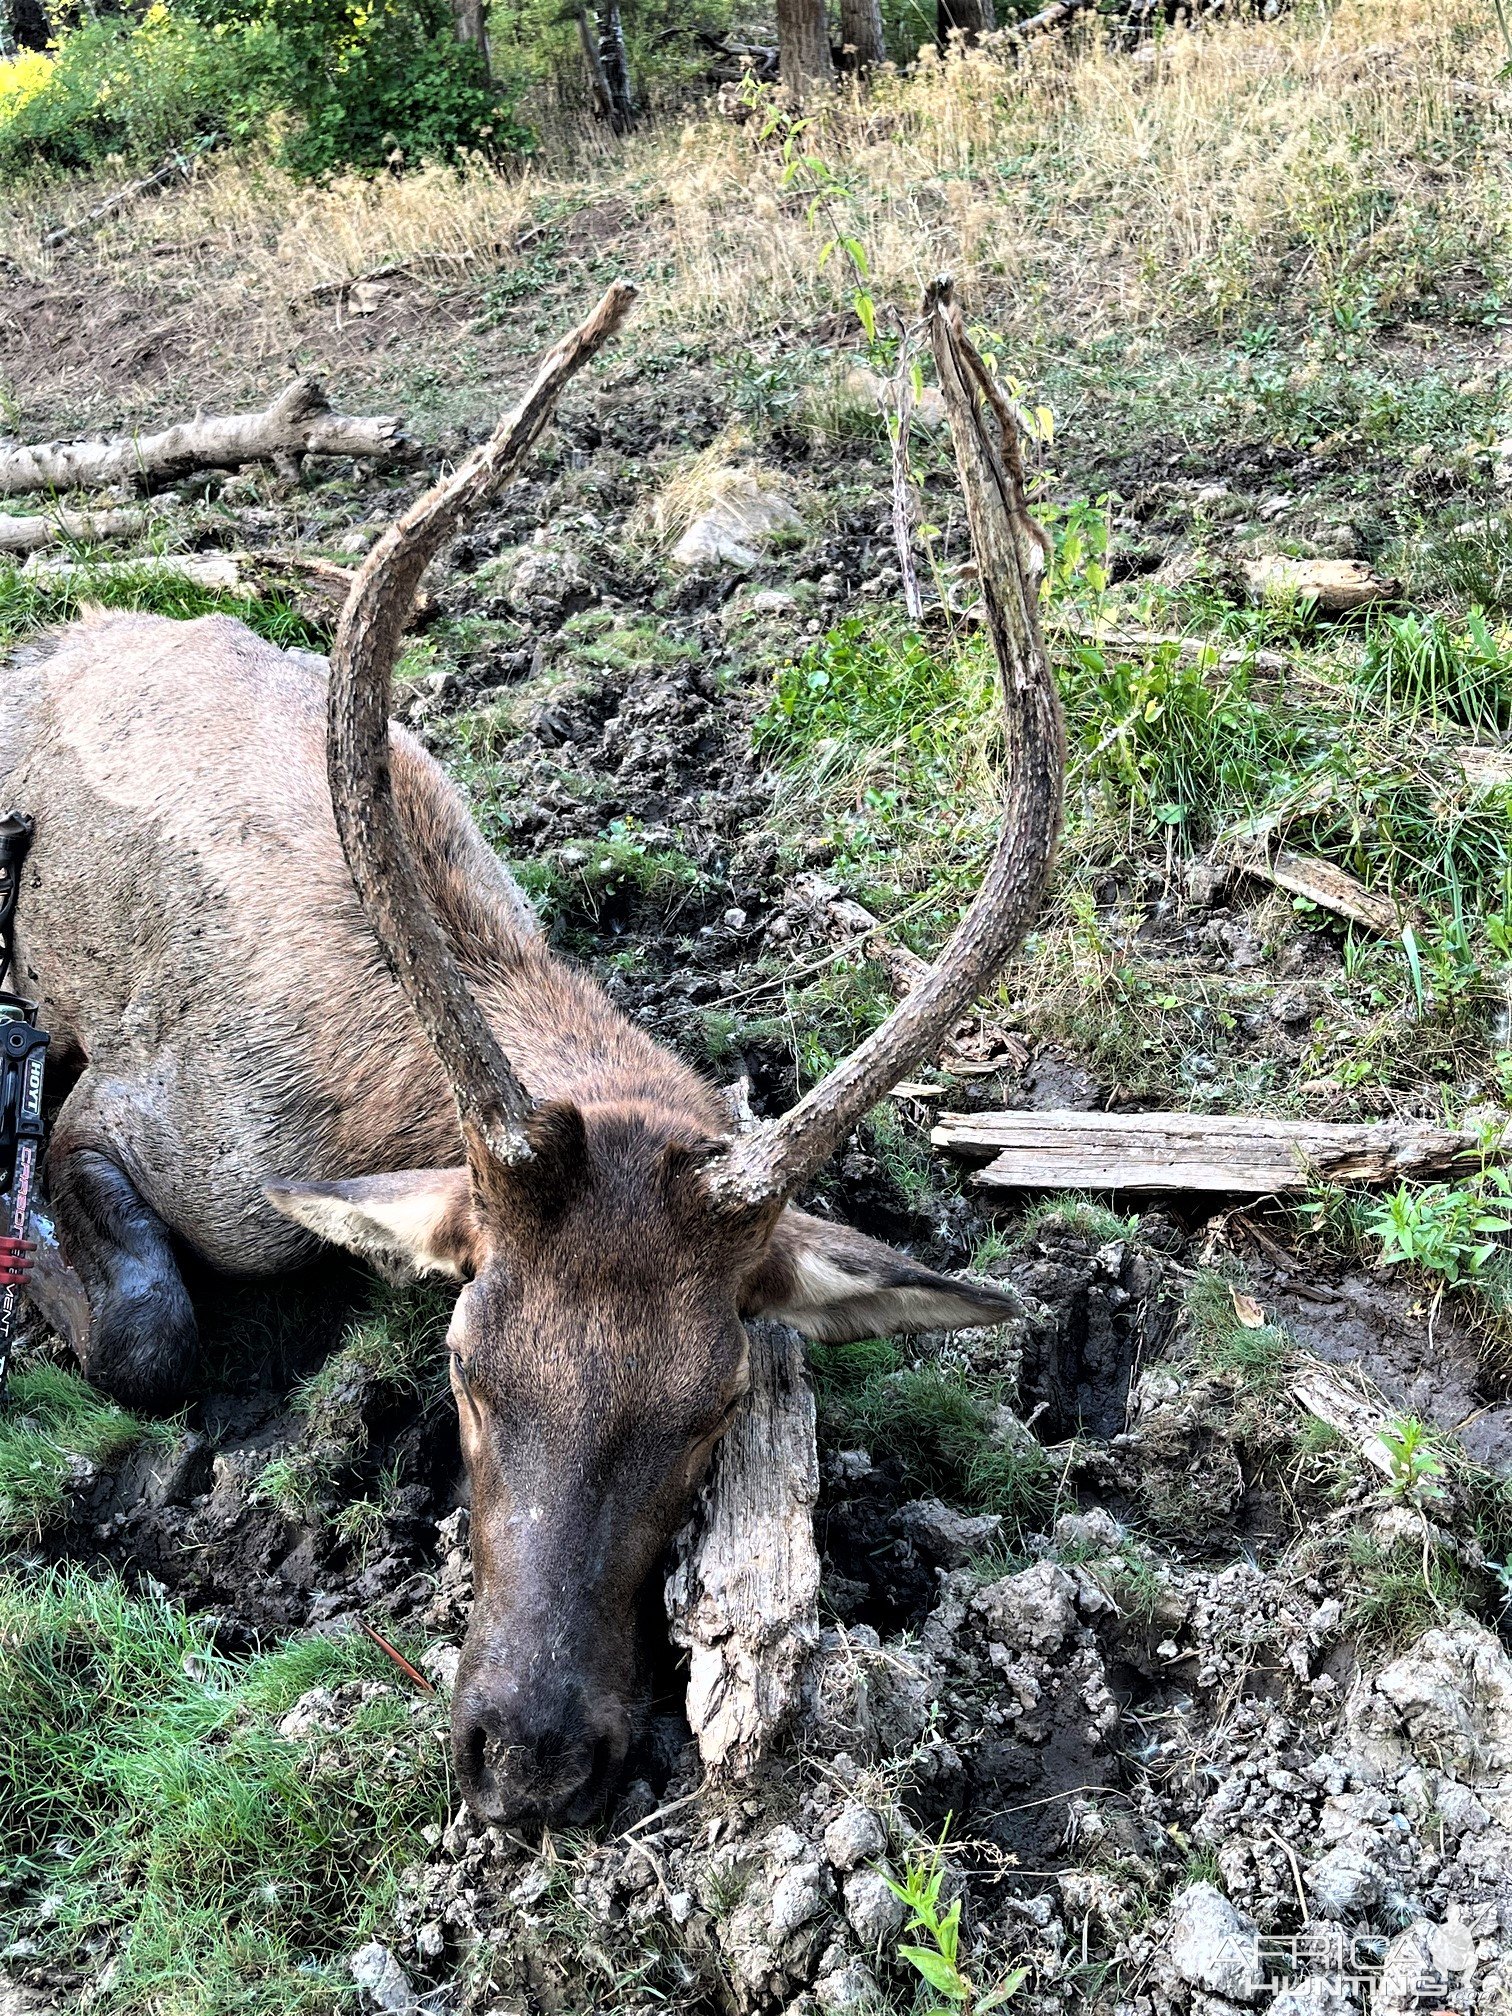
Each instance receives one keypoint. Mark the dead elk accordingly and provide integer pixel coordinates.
(304, 1002)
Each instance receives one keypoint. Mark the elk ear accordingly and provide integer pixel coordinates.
(836, 1285)
(415, 1221)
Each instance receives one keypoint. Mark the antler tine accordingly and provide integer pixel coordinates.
(491, 1102)
(766, 1167)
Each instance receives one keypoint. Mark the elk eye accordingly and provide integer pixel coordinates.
(459, 1366)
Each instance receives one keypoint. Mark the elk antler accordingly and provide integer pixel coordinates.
(491, 1102)
(768, 1165)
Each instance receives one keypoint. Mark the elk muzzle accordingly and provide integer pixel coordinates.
(541, 1714)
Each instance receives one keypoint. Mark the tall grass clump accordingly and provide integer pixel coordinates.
(55, 1432)
(1429, 668)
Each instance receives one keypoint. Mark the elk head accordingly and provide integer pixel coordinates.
(611, 1246)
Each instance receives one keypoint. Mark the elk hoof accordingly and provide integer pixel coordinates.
(143, 1347)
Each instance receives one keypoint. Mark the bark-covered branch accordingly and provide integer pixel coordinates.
(299, 422)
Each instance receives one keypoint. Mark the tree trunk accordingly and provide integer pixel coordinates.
(470, 18)
(615, 58)
(966, 18)
(861, 33)
(593, 62)
(804, 48)
(24, 24)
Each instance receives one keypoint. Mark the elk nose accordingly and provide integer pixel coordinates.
(547, 1755)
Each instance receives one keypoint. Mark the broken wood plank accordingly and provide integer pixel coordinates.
(1230, 1153)
(299, 422)
(1323, 1392)
(1331, 888)
(743, 1595)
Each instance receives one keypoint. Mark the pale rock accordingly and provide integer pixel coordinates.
(848, 1989)
(441, 1661)
(1093, 1529)
(871, 1906)
(1446, 1702)
(740, 521)
(1344, 1882)
(382, 1980)
(315, 1710)
(1460, 1810)
(784, 1844)
(548, 584)
(1032, 1612)
(854, 1836)
(798, 1897)
(945, 1536)
(1420, 1966)
(1213, 1946)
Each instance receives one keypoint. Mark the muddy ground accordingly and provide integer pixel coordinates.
(1184, 1765)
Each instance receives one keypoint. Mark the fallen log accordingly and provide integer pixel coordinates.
(1331, 888)
(1334, 586)
(1235, 1154)
(27, 535)
(743, 1595)
(175, 164)
(298, 423)
(220, 573)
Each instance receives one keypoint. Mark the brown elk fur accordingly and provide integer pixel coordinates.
(250, 1080)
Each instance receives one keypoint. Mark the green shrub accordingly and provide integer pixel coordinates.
(138, 89)
(340, 84)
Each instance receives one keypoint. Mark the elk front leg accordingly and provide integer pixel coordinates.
(108, 1281)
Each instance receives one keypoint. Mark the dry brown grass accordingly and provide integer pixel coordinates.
(1341, 156)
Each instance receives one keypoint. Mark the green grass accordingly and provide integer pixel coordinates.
(1074, 1217)
(1221, 1342)
(54, 1432)
(25, 605)
(396, 1343)
(1396, 1597)
(391, 1354)
(145, 1791)
(937, 1423)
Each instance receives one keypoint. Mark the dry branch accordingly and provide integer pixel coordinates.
(744, 1594)
(176, 164)
(299, 422)
(1192, 650)
(1230, 1153)
(28, 535)
(974, 1039)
